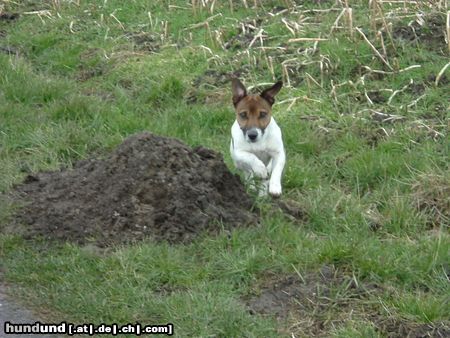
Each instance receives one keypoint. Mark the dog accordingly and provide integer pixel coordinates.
(256, 141)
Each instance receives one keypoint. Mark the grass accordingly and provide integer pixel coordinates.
(367, 154)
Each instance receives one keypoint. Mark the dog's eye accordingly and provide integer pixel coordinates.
(243, 114)
(262, 114)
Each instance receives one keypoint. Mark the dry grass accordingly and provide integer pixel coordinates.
(431, 194)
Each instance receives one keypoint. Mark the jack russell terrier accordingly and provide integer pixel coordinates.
(256, 141)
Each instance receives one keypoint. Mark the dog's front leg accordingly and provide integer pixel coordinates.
(278, 162)
(249, 163)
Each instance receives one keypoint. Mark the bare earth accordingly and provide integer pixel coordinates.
(149, 187)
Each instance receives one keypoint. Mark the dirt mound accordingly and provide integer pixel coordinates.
(150, 186)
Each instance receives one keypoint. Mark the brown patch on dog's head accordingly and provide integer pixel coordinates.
(253, 111)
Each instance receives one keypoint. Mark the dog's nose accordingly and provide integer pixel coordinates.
(252, 135)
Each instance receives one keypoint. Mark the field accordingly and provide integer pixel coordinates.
(364, 248)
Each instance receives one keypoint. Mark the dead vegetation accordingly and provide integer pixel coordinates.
(297, 56)
(295, 53)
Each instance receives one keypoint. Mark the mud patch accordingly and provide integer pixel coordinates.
(400, 328)
(293, 210)
(92, 64)
(308, 294)
(6, 16)
(86, 74)
(431, 194)
(9, 50)
(315, 303)
(149, 187)
(146, 42)
(443, 81)
(245, 33)
(239, 41)
(208, 87)
(428, 31)
(376, 96)
(218, 78)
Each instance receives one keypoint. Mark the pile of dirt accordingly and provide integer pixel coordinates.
(149, 187)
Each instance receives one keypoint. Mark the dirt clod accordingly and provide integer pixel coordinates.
(149, 187)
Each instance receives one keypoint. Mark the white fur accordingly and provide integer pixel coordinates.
(264, 158)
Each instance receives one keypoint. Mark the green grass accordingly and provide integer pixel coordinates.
(374, 192)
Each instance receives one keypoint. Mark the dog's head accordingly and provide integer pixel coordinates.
(253, 112)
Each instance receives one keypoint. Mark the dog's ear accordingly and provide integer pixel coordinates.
(269, 93)
(239, 91)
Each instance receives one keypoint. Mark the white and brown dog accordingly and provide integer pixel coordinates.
(256, 141)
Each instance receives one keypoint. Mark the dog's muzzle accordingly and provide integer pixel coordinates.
(252, 134)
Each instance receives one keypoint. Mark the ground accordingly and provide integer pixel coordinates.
(357, 246)
(150, 187)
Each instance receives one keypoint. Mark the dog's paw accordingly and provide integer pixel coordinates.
(260, 171)
(275, 189)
